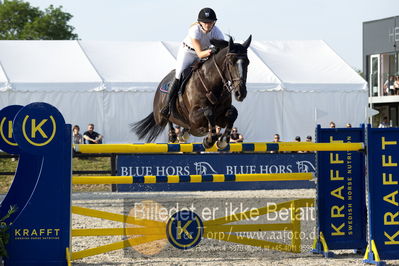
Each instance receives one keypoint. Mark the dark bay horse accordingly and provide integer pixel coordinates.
(206, 100)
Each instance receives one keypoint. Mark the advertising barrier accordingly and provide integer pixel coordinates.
(41, 191)
(341, 191)
(383, 188)
(215, 163)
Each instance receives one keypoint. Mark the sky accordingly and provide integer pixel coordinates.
(337, 22)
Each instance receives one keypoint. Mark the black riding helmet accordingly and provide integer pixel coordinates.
(207, 15)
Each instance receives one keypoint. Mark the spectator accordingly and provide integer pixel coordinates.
(298, 139)
(276, 138)
(332, 124)
(170, 134)
(218, 131)
(389, 88)
(348, 125)
(92, 137)
(77, 138)
(309, 139)
(396, 85)
(384, 123)
(235, 136)
(180, 139)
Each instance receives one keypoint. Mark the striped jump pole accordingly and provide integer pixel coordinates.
(173, 179)
(232, 147)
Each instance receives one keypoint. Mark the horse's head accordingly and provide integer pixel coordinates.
(236, 66)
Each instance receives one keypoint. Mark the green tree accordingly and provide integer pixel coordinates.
(20, 21)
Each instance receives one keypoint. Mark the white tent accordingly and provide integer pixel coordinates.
(292, 85)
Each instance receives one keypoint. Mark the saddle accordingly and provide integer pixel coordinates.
(184, 77)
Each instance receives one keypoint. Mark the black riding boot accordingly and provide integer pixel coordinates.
(173, 89)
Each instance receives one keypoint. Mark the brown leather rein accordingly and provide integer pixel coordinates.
(227, 83)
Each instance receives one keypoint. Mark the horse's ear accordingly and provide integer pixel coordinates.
(220, 44)
(231, 43)
(247, 42)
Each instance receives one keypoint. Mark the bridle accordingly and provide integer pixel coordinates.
(227, 82)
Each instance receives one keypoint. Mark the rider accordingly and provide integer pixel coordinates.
(194, 46)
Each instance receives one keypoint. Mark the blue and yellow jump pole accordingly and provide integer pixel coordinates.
(215, 178)
(232, 147)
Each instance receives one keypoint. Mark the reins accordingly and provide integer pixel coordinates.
(227, 83)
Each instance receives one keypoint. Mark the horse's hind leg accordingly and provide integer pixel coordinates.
(211, 138)
(172, 133)
(230, 116)
(185, 134)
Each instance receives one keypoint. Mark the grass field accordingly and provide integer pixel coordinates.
(79, 164)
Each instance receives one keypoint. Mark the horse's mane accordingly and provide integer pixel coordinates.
(233, 47)
(219, 44)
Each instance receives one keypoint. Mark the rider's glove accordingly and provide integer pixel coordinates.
(213, 49)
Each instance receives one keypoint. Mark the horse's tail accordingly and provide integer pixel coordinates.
(148, 128)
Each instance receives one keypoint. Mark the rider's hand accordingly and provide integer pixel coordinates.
(213, 49)
(207, 53)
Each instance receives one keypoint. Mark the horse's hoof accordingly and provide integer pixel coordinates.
(172, 138)
(221, 145)
(206, 144)
(186, 136)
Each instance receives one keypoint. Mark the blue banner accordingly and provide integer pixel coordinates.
(215, 163)
(383, 160)
(341, 191)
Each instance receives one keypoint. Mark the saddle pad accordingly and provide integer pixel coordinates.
(164, 87)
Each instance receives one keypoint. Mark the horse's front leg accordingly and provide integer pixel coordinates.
(230, 116)
(211, 138)
(172, 133)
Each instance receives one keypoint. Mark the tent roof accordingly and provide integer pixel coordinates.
(29, 64)
(96, 65)
(307, 65)
(129, 61)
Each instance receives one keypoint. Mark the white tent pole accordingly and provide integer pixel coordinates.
(8, 83)
(263, 61)
(170, 52)
(102, 86)
(370, 118)
(315, 116)
(4, 71)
